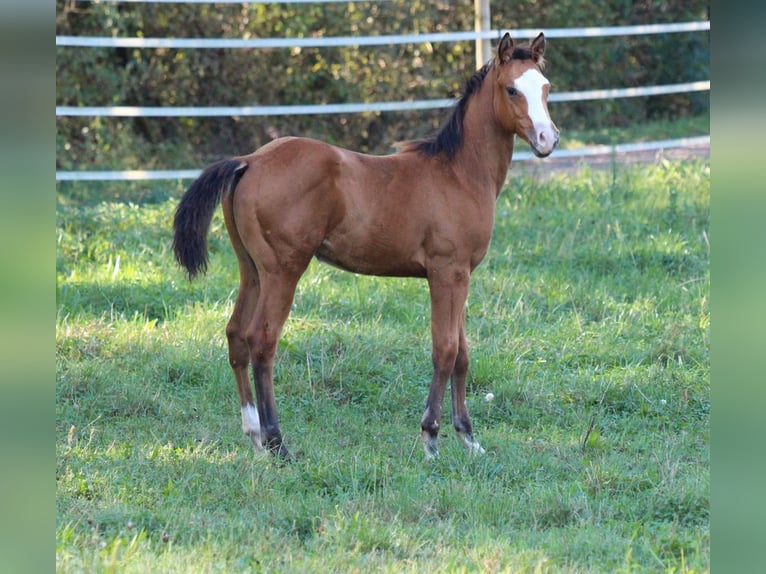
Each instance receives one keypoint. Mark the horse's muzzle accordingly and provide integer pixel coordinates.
(544, 141)
(544, 152)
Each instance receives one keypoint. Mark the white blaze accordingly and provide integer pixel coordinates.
(531, 84)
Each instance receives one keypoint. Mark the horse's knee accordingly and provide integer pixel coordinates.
(445, 355)
(233, 330)
(461, 361)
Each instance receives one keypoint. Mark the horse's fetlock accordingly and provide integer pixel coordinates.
(463, 426)
(429, 425)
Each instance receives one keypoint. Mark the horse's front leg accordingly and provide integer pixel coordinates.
(460, 418)
(449, 290)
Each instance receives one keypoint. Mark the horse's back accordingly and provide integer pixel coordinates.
(298, 169)
(292, 145)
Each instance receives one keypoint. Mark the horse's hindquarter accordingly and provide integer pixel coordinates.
(284, 205)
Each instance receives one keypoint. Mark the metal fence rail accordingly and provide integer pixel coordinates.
(382, 40)
(179, 174)
(359, 107)
(309, 109)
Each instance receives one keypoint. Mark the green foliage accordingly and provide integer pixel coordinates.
(588, 323)
(598, 63)
(179, 77)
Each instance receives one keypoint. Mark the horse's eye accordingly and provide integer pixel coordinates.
(512, 91)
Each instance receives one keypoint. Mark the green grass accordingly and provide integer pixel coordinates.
(588, 321)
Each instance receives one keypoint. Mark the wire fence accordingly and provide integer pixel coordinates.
(141, 175)
(380, 40)
(357, 107)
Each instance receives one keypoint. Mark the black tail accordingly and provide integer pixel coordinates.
(194, 213)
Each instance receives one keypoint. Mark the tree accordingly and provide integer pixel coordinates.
(176, 77)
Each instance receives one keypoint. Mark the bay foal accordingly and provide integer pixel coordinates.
(426, 211)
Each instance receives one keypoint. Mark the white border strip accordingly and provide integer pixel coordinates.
(308, 109)
(143, 175)
(334, 41)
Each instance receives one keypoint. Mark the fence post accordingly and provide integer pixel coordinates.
(481, 22)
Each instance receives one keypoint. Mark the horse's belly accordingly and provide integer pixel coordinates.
(371, 259)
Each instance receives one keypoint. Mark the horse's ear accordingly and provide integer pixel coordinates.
(505, 49)
(538, 47)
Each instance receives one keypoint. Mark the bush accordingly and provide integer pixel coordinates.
(212, 77)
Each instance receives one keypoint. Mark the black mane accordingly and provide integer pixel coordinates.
(449, 137)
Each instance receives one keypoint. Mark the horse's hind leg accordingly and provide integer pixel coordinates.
(272, 310)
(236, 329)
(460, 418)
(239, 351)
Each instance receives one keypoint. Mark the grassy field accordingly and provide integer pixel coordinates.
(588, 322)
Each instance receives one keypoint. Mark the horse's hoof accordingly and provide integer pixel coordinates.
(472, 444)
(279, 450)
(429, 445)
(255, 440)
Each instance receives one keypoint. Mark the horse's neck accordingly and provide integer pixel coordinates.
(485, 154)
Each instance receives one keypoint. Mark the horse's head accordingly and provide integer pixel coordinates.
(521, 94)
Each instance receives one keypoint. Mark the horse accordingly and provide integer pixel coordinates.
(425, 211)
